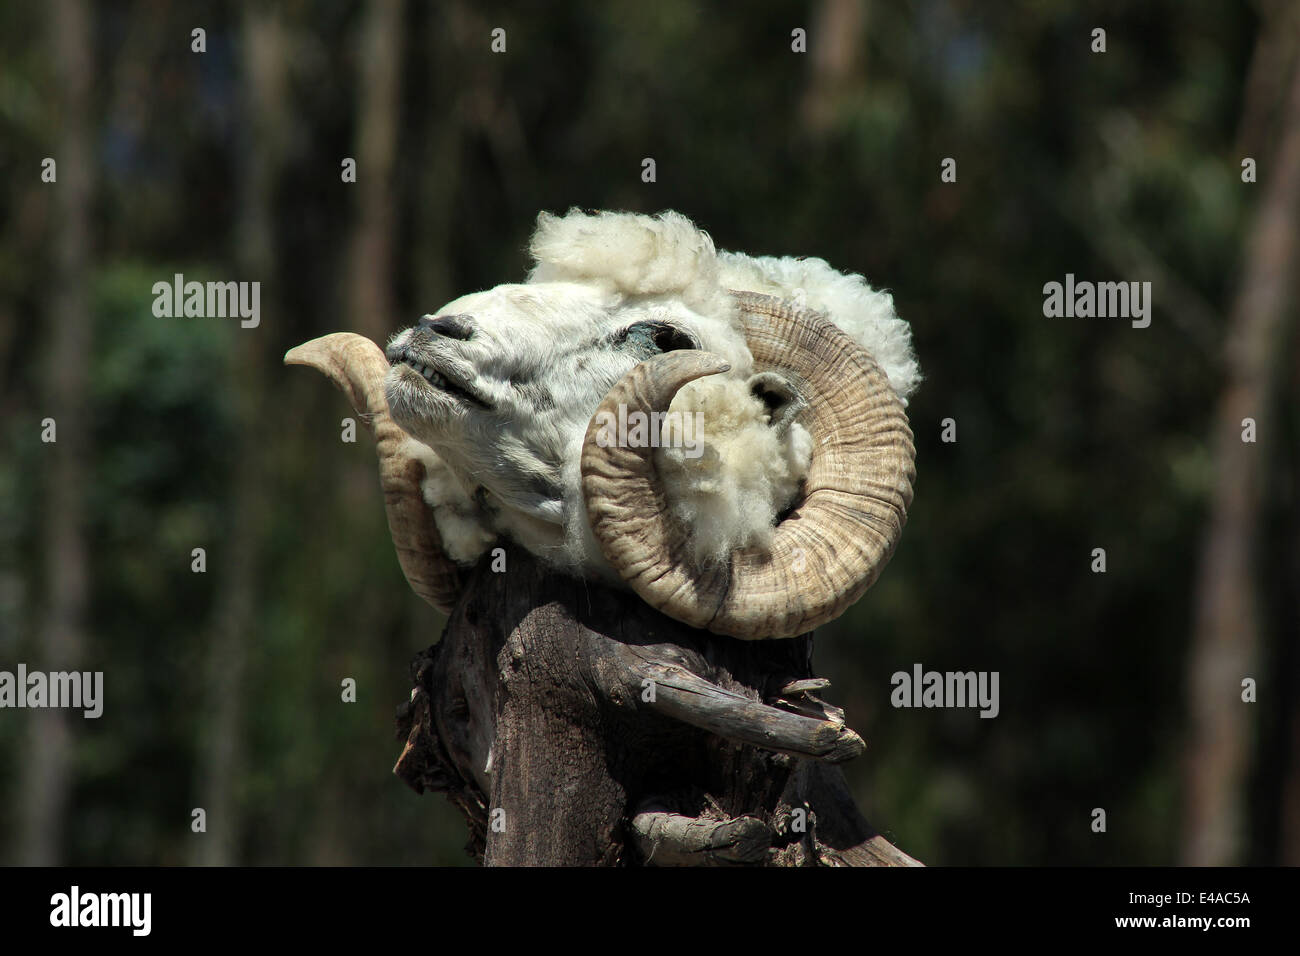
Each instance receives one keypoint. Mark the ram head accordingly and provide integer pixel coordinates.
(723, 434)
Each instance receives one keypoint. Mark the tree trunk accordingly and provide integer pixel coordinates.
(47, 775)
(573, 724)
(1226, 637)
(835, 51)
(369, 300)
(221, 748)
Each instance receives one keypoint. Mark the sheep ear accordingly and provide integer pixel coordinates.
(781, 396)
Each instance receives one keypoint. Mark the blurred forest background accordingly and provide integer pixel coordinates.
(1119, 690)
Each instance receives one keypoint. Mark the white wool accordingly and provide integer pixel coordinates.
(461, 525)
(633, 256)
(514, 471)
(867, 315)
(730, 495)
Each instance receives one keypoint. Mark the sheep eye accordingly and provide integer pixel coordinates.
(658, 337)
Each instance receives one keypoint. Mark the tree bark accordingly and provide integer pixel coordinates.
(573, 724)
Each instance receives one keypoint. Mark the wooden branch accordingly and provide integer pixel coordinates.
(693, 700)
(671, 839)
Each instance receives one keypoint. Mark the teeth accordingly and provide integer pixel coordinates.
(430, 376)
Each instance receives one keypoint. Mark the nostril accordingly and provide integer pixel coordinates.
(452, 326)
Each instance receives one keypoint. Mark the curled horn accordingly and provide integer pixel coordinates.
(835, 541)
(357, 367)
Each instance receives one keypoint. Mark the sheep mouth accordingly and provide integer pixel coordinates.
(436, 379)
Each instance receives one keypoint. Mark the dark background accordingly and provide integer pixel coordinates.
(1119, 690)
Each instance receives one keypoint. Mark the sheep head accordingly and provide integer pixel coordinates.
(503, 383)
(507, 396)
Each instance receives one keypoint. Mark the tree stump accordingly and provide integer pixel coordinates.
(573, 724)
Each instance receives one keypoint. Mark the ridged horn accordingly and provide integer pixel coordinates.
(842, 531)
(357, 367)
